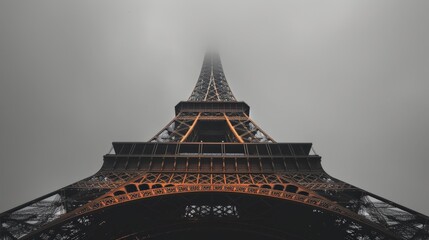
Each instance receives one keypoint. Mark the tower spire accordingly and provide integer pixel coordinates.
(212, 84)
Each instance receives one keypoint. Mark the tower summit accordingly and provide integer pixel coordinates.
(212, 173)
(212, 84)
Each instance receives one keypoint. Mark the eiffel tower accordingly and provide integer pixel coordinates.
(212, 173)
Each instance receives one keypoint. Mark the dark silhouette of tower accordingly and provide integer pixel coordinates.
(212, 173)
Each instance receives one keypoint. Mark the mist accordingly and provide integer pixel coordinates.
(349, 76)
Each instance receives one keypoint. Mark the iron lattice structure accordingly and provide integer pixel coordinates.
(212, 173)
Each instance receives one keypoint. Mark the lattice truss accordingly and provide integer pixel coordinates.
(402, 222)
(217, 211)
(241, 127)
(310, 187)
(176, 130)
(212, 84)
(29, 217)
(248, 131)
(314, 188)
(84, 226)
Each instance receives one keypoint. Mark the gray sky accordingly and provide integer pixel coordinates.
(349, 76)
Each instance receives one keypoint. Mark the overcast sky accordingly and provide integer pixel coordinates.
(349, 76)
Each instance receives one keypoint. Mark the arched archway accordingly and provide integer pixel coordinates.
(225, 215)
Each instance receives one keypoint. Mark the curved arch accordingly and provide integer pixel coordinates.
(299, 197)
(121, 196)
(289, 218)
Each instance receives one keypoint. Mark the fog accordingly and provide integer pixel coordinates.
(349, 76)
